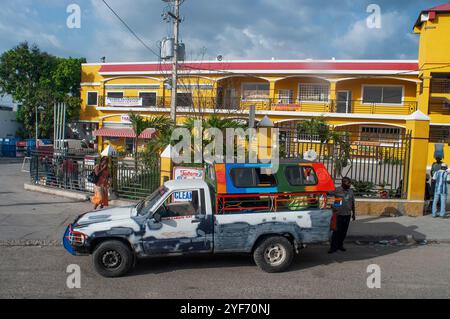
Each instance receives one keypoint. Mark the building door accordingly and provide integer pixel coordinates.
(231, 100)
(344, 102)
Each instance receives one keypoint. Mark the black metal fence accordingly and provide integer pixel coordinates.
(130, 183)
(71, 172)
(377, 166)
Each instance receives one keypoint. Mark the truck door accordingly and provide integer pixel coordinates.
(184, 226)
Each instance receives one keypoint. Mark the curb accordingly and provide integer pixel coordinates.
(57, 192)
(403, 239)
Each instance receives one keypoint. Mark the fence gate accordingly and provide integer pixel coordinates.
(134, 184)
(378, 166)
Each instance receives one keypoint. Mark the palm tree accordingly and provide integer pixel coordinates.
(317, 128)
(341, 141)
(162, 124)
(213, 121)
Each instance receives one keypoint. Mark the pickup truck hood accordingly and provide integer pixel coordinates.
(105, 215)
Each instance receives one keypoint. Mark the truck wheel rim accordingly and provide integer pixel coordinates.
(111, 259)
(275, 255)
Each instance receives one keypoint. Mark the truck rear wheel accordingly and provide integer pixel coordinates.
(274, 254)
(113, 258)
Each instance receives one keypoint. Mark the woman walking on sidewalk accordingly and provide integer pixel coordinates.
(101, 186)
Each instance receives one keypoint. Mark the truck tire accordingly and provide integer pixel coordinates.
(274, 254)
(113, 258)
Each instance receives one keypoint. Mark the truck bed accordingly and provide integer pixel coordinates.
(238, 232)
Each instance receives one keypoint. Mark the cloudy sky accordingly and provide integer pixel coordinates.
(236, 29)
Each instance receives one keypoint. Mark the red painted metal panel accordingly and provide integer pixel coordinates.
(267, 66)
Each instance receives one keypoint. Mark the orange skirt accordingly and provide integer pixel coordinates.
(100, 196)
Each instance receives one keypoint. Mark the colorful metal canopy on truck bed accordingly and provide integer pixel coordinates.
(291, 176)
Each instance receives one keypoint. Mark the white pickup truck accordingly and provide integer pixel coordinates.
(186, 217)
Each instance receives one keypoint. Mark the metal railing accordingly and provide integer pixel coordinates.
(61, 171)
(440, 86)
(197, 103)
(378, 168)
(71, 173)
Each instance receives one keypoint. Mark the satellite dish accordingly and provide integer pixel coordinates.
(310, 155)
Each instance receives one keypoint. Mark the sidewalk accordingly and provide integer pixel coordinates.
(403, 228)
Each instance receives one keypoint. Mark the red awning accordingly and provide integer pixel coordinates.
(124, 133)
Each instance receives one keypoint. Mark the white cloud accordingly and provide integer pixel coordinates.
(360, 41)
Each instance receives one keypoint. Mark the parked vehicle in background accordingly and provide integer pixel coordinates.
(247, 209)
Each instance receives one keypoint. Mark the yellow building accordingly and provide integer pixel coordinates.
(377, 99)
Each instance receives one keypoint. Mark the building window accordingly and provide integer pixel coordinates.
(439, 134)
(383, 94)
(92, 98)
(440, 83)
(368, 133)
(115, 95)
(313, 92)
(285, 96)
(148, 99)
(255, 91)
(184, 99)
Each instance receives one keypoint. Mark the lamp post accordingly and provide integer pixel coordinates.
(38, 109)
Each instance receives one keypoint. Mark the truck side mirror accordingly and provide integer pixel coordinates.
(157, 217)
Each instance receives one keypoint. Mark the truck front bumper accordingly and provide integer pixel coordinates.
(75, 250)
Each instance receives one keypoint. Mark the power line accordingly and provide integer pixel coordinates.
(131, 30)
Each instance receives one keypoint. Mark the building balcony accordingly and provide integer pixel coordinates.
(199, 104)
(440, 86)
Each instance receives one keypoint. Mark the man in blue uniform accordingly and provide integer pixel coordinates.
(441, 182)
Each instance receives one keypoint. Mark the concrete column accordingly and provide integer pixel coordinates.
(100, 138)
(419, 126)
(424, 95)
(333, 96)
(166, 165)
(264, 137)
(273, 95)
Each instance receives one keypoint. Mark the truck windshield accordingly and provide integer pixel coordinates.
(144, 205)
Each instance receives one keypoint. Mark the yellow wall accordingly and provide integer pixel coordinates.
(434, 41)
(434, 57)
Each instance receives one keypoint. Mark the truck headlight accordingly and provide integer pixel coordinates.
(77, 238)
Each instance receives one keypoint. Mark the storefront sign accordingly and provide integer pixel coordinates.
(125, 118)
(125, 101)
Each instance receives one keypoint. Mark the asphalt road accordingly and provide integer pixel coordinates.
(41, 271)
(406, 272)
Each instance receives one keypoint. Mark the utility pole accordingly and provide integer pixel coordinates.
(176, 31)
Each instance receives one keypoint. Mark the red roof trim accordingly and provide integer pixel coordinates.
(265, 66)
(438, 9)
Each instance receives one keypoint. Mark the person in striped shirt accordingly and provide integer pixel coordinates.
(441, 189)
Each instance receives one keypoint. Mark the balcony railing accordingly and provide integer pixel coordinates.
(239, 104)
(440, 86)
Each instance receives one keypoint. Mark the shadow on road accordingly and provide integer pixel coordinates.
(313, 256)
(372, 228)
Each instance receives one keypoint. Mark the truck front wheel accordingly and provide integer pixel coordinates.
(274, 254)
(113, 258)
